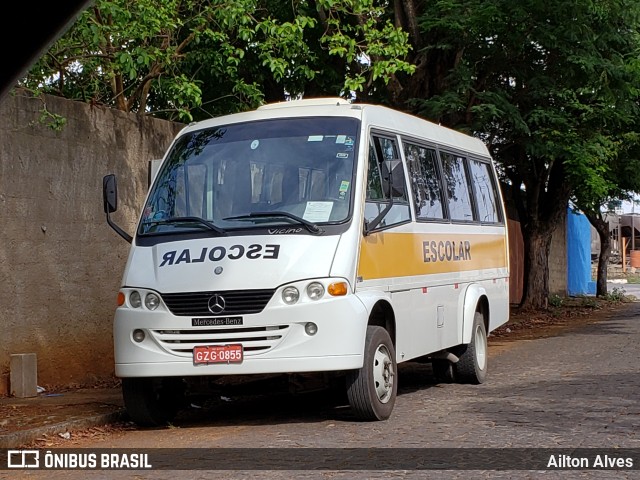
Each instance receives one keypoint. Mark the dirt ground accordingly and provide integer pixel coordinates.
(570, 315)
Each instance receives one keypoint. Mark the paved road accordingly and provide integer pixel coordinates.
(578, 389)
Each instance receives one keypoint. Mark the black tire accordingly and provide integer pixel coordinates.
(443, 370)
(372, 389)
(152, 402)
(472, 366)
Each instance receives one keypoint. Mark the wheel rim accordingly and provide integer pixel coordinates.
(383, 374)
(481, 347)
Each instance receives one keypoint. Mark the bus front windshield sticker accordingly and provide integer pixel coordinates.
(318, 211)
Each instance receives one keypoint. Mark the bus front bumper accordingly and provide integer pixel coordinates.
(273, 341)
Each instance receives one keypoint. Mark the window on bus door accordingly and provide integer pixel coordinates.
(425, 177)
(485, 191)
(457, 187)
(386, 202)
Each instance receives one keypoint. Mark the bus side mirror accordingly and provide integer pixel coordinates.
(394, 187)
(110, 202)
(393, 176)
(110, 193)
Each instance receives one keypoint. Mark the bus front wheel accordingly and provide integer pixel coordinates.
(152, 402)
(372, 389)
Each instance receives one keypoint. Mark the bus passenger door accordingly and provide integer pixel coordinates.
(389, 249)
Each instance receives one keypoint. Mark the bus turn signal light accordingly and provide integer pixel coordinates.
(337, 289)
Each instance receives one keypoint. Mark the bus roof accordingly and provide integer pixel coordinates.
(376, 116)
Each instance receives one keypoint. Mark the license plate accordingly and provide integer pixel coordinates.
(207, 354)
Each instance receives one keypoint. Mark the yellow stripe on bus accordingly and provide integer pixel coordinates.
(384, 255)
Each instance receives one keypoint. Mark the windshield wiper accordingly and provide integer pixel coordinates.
(197, 220)
(312, 227)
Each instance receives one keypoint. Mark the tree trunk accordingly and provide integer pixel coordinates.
(602, 227)
(603, 264)
(537, 245)
(542, 206)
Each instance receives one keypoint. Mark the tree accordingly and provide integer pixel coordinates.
(549, 85)
(619, 180)
(171, 57)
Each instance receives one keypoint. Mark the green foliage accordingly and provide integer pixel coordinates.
(633, 279)
(556, 301)
(189, 59)
(551, 86)
(51, 120)
(542, 81)
(617, 295)
(373, 47)
(589, 302)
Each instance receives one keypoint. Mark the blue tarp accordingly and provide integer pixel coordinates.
(579, 280)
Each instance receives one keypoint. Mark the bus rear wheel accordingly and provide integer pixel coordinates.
(373, 388)
(472, 365)
(152, 402)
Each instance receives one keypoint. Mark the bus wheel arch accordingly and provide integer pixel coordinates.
(475, 300)
(382, 316)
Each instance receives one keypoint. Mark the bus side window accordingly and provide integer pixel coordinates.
(457, 187)
(485, 192)
(427, 189)
(383, 156)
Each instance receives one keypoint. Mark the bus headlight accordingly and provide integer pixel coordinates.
(151, 301)
(134, 299)
(315, 290)
(290, 295)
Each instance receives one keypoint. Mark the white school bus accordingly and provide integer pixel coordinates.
(311, 236)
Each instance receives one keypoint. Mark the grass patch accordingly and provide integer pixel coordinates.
(633, 278)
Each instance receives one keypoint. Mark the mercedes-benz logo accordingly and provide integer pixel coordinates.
(217, 304)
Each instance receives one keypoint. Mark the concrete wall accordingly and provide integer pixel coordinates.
(558, 259)
(60, 264)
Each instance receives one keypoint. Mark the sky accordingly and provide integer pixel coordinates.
(629, 207)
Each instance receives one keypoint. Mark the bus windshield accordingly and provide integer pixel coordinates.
(279, 172)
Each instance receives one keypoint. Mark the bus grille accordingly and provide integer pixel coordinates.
(237, 302)
(254, 340)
